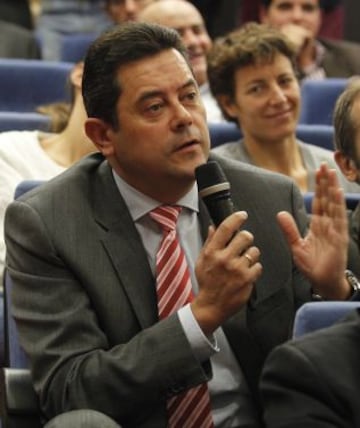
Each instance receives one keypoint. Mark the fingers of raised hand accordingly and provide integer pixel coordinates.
(220, 237)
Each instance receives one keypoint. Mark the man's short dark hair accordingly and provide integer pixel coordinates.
(119, 46)
(345, 128)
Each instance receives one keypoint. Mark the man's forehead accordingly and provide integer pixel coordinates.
(165, 65)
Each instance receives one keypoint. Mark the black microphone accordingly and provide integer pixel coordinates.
(214, 189)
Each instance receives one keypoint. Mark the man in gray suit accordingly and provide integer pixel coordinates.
(81, 253)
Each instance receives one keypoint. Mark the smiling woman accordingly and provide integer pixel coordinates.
(253, 76)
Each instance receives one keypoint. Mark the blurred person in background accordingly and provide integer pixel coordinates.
(317, 58)
(17, 42)
(252, 74)
(186, 19)
(27, 155)
(220, 16)
(63, 17)
(121, 11)
(17, 12)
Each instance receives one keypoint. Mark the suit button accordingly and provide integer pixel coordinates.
(174, 390)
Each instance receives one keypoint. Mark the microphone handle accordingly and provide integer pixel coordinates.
(219, 208)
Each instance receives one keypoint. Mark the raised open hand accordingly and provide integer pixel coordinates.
(322, 254)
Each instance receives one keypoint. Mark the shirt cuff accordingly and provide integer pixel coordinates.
(203, 347)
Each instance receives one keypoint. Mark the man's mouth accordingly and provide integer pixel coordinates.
(187, 144)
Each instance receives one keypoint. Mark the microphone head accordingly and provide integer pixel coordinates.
(211, 179)
(214, 189)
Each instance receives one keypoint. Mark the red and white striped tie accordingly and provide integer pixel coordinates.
(190, 409)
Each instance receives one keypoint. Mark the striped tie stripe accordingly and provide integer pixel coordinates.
(190, 409)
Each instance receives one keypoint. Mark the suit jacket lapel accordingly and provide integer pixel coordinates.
(123, 245)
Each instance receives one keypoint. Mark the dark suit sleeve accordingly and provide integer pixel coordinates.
(74, 361)
(342, 58)
(296, 394)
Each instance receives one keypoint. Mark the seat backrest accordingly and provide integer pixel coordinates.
(27, 84)
(223, 132)
(317, 315)
(351, 199)
(21, 121)
(318, 135)
(318, 99)
(75, 46)
(26, 186)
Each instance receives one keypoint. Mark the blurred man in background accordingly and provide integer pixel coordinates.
(187, 20)
(300, 20)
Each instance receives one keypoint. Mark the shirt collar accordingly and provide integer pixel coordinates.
(140, 204)
(315, 69)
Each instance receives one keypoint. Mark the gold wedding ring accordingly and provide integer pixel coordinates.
(249, 259)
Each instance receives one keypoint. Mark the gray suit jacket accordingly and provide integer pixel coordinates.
(85, 303)
(315, 381)
(342, 58)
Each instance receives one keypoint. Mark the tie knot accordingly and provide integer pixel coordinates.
(166, 216)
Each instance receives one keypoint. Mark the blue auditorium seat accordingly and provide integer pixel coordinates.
(75, 46)
(27, 84)
(317, 315)
(351, 199)
(318, 99)
(21, 121)
(223, 132)
(318, 135)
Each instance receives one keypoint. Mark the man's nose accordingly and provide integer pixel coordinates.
(181, 116)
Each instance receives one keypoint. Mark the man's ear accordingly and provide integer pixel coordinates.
(228, 105)
(346, 165)
(76, 75)
(98, 132)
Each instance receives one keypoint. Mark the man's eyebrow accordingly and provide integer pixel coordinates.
(149, 94)
(190, 82)
(158, 93)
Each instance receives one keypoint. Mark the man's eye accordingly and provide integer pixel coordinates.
(286, 80)
(191, 96)
(155, 107)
